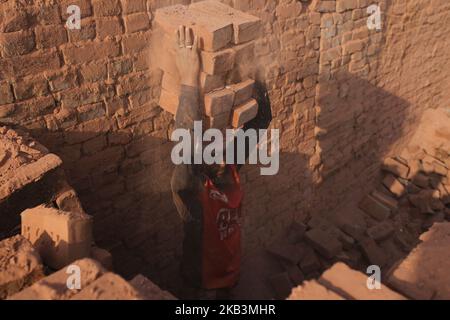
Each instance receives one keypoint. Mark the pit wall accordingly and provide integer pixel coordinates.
(342, 97)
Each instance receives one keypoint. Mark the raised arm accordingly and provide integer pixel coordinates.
(184, 182)
(188, 63)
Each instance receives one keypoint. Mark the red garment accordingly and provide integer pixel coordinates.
(221, 256)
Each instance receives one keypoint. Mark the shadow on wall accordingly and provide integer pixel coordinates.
(359, 124)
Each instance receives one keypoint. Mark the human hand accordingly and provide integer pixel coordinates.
(187, 57)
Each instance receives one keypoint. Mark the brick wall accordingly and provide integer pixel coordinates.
(341, 95)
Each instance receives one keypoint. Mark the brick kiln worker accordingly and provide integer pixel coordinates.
(207, 197)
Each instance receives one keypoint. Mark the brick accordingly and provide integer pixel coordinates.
(385, 199)
(68, 201)
(133, 6)
(218, 102)
(352, 47)
(245, 26)
(421, 180)
(91, 51)
(312, 290)
(352, 285)
(103, 8)
(103, 256)
(34, 63)
(289, 10)
(17, 43)
(423, 201)
(31, 87)
(134, 43)
(170, 82)
(286, 251)
(6, 95)
(54, 287)
(29, 173)
(214, 34)
(324, 243)
(244, 55)
(220, 121)
(50, 36)
(373, 252)
(344, 5)
(210, 83)
(13, 20)
(324, 6)
(115, 106)
(108, 27)
(394, 186)
(21, 265)
(309, 263)
(381, 231)
(49, 14)
(296, 232)
(217, 62)
(109, 286)
(134, 83)
(91, 111)
(59, 237)
(169, 101)
(87, 31)
(119, 67)
(243, 91)
(93, 72)
(86, 94)
(137, 22)
(148, 290)
(375, 208)
(244, 113)
(281, 285)
(440, 169)
(395, 167)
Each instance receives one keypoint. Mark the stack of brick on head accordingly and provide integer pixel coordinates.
(226, 40)
(207, 77)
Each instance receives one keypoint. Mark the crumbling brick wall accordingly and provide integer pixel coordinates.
(341, 96)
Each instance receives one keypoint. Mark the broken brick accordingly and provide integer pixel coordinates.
(59, 237)
(395, 167)
(20, 265)
(394, 186)
(324, 243)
